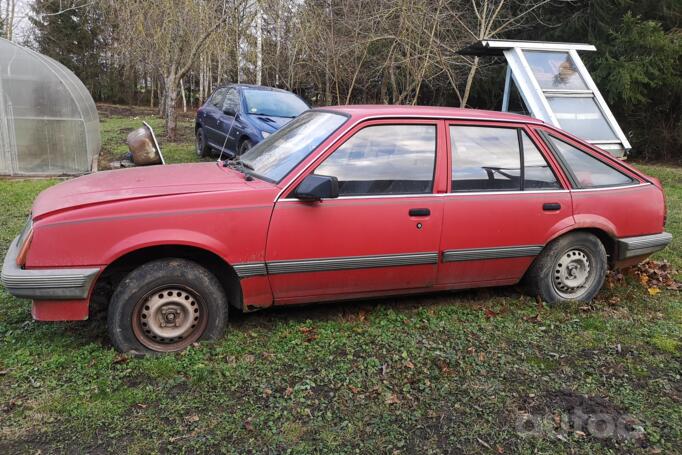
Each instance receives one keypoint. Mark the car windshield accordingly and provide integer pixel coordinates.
(274, 157)
(275, 104)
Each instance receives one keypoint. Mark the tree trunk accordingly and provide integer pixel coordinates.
(151, 92)
(470, 81)
(259, 45)
(184, 99)
(171, 94)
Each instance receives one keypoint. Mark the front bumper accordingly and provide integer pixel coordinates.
(45, 284)
(642, 245)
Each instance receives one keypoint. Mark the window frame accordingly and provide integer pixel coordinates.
(545, 153)
(568, 172)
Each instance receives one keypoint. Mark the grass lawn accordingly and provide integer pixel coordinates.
(486, 371)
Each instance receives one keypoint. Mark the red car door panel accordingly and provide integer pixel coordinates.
(491, 237)
(348, 246)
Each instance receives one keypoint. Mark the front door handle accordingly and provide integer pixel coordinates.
(551, 206)
(420, 212)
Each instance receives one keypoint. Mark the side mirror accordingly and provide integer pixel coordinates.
(229, 111)
(316, 187)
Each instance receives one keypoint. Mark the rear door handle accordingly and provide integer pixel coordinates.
(420, 212)
(551, 206)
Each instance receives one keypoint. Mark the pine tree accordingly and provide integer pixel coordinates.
(73, 37)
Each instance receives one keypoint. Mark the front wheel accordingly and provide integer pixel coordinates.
(245, 146)
(165, 306)
(571, 268)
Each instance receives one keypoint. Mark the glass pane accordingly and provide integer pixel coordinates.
(276, 156)
(232, 100)
(537, 173)
(582, 117)
(385, 159)
(273, 104)
(555, 70)
(588, 170)
(485, 158)
(218, 98)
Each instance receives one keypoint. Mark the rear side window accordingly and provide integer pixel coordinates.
(588, 171)
(490, 159)
(384, 159)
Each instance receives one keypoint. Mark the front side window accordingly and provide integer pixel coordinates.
(588, 171)
(277, 155)
(490, 159)
(232, 100)
(384, 159)
(218, 98)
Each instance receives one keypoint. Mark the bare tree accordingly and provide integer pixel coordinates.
(169, 34)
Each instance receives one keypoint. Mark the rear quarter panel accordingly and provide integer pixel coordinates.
(621, 212)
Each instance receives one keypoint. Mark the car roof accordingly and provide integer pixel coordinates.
(386, 110)
(255, 87)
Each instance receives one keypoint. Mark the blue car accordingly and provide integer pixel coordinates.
(238, 116)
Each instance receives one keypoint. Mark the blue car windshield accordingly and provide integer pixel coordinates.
(279, 153)
(274, 104)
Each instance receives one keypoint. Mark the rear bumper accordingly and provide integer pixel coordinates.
(642, 245)
(45, 284)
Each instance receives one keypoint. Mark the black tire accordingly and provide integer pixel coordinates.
(244, 146)
(556, 276)
(203, 149)
(172, 287)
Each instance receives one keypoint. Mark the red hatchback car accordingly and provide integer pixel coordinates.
(342, 203)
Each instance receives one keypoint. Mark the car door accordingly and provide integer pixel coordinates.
(212, 112)
(227, 125)
(380, 235)
(506, 200)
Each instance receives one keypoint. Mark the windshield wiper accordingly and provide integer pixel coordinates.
(241, 166)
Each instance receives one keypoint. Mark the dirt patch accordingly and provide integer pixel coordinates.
(564, 413)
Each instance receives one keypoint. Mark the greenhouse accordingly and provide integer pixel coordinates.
(48, 119)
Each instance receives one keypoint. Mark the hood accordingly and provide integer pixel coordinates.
(270, 121)
(135, 183)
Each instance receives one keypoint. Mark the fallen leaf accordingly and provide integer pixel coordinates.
(288, 392)
(533, 319)
(142, 406)
(353, 389)
(489, 313)
(393, 399)
(654, 291)
(119, 359)
(192, 418)
(409, 365)
(267, 392)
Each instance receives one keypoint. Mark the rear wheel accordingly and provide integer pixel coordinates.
(165, 306)
(203, 150)
(570, 269)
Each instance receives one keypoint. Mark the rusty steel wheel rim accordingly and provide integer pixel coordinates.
(573, 273)
(169, 318)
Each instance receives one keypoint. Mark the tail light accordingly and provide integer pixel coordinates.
(23, 250)
(25, 242)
